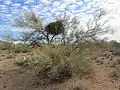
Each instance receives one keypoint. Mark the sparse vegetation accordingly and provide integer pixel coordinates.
(58, 65)
(14, 48)
(21, 48)
(5, 46)
(62, 50)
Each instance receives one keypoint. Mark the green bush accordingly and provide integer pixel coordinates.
(56, 64)
(20, 48)
(116, 44)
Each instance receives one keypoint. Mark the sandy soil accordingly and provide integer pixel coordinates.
(13, 77)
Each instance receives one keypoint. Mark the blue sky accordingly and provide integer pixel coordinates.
(46, 8)
(9, 9)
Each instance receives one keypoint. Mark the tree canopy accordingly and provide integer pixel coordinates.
(68, 28)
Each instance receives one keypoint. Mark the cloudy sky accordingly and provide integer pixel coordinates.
(9, 9)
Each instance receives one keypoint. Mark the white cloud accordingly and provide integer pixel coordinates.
(15, 11)
(72, 7)
(113, 7)
(79, 3)
(25, 7)
(54, 11)
(56, 3)
(11, 28)
(8, 15)
(16, 5)
(3, 9)
(63, 6)
(44, 10)
(46, 2)
(8, 2)
(29, 1)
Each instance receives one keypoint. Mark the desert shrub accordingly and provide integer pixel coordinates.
(115, 74)
(5, 46)
(56, 64)
(103, 44)
(115, 44)
(20, 48)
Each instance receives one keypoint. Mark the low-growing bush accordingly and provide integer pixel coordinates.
(103, 44)
(115, 44)
(17, 48)
(56, 64)
(20, 48)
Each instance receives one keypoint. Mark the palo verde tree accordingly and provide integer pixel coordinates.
(68, 24)
(29, 20)
(32, 22)
(40, 33)
(68, 27)
(62, 25)
(95, 26)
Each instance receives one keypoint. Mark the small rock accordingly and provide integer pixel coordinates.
(4, 86)
(111, 58)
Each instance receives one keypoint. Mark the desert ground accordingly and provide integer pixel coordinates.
(105, 65)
